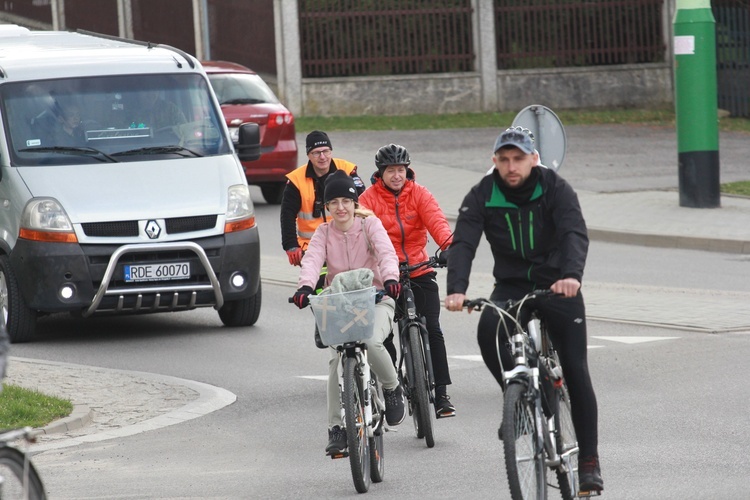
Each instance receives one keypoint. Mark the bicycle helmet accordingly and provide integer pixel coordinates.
(392, 154)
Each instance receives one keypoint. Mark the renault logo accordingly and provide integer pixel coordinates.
(152, 229)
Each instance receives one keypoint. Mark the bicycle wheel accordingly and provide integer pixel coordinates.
(566, 441)
(19, 476)
(377, 458)
(422, 413)
(356, 432)
(524, 452)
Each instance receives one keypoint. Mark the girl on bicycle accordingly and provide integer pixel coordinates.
(409, 211)
(354, 240)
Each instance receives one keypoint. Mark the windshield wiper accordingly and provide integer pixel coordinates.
(159, 150)
(244, 100)
(71, 150)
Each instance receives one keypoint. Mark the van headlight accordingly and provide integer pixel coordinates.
(44, 219)
(240, 213)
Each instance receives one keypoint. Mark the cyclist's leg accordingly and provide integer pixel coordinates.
(332, 391)
(488, 340)
(566, 322)
(380, 360)
(382, 365)
(427, 302)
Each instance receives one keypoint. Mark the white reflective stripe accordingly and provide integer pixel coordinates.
(306, 216)
(305, 235)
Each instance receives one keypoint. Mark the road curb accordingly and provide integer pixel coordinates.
(669, 241)
(80, 417)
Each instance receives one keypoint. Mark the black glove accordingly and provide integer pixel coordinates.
(300, 297)
(443, 257)
(392, 288)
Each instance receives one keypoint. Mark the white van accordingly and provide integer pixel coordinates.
(120, 189)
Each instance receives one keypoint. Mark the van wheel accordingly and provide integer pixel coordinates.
(17, 319)
(273, 193)
(243, 312)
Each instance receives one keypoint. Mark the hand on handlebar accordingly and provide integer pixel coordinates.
(567, 287)
(300, 298)
(392, 288)
(442, 259)
(455, 302)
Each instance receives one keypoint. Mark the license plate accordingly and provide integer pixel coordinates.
(157, 272)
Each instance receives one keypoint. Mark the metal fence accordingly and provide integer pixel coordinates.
(733, 55)
(563, 33)
(385, 37)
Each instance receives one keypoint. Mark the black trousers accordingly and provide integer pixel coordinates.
(566, 324)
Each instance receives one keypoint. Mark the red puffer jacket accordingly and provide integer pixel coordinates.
(408, 216)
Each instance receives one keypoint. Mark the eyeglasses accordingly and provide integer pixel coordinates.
(324, 152)
(344, 202)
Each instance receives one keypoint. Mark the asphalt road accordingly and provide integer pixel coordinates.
(670, 415)
(673, 406)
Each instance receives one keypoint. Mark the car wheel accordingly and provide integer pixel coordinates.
(15, 316)
(242, 312)
(273, 192)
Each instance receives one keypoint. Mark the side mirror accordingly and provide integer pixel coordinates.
(248, 145)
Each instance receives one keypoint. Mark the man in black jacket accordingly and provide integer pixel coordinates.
(533, 222)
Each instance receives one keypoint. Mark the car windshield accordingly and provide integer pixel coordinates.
(111, 119)
(234, 88)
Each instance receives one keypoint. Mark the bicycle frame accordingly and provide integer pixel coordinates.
(358, 350)
(530, 350)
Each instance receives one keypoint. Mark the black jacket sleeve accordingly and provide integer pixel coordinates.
(573, 240)
(290, 206)
(468, 233)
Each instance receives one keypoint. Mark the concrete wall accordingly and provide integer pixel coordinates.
(637, 85)
(392, 95)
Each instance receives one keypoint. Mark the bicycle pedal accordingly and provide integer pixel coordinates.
(445, 415)
(589, 493)
(342, 454)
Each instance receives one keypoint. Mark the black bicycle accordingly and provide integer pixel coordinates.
(18, 476)
(537, 428)
(415, 365)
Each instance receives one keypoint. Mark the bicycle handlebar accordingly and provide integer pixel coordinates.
(511, 306)
(405, 269)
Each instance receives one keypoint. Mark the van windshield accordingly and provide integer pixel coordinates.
(111, 119)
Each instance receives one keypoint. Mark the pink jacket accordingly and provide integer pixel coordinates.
(346, 251)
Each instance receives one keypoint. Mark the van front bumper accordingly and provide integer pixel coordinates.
(90, 279)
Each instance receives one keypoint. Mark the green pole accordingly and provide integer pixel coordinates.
(696, 104)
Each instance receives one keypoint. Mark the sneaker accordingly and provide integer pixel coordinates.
(336, 441)
(394, 405)
(443, 407)
(589, 475)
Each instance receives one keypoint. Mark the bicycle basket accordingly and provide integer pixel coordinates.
(344, 317)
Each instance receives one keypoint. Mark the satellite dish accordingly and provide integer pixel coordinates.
(549, 134)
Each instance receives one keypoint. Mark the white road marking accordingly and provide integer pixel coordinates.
(635, 340)
(324, 378)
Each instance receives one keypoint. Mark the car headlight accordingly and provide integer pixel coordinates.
(240, 213)
(44, 219)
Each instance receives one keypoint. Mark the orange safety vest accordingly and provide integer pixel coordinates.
(306, 223)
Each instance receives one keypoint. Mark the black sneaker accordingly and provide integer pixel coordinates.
(336, 441)
(443, 407)
(589, 475)
(394, 405)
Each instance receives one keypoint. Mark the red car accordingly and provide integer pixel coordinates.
(245, 97)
